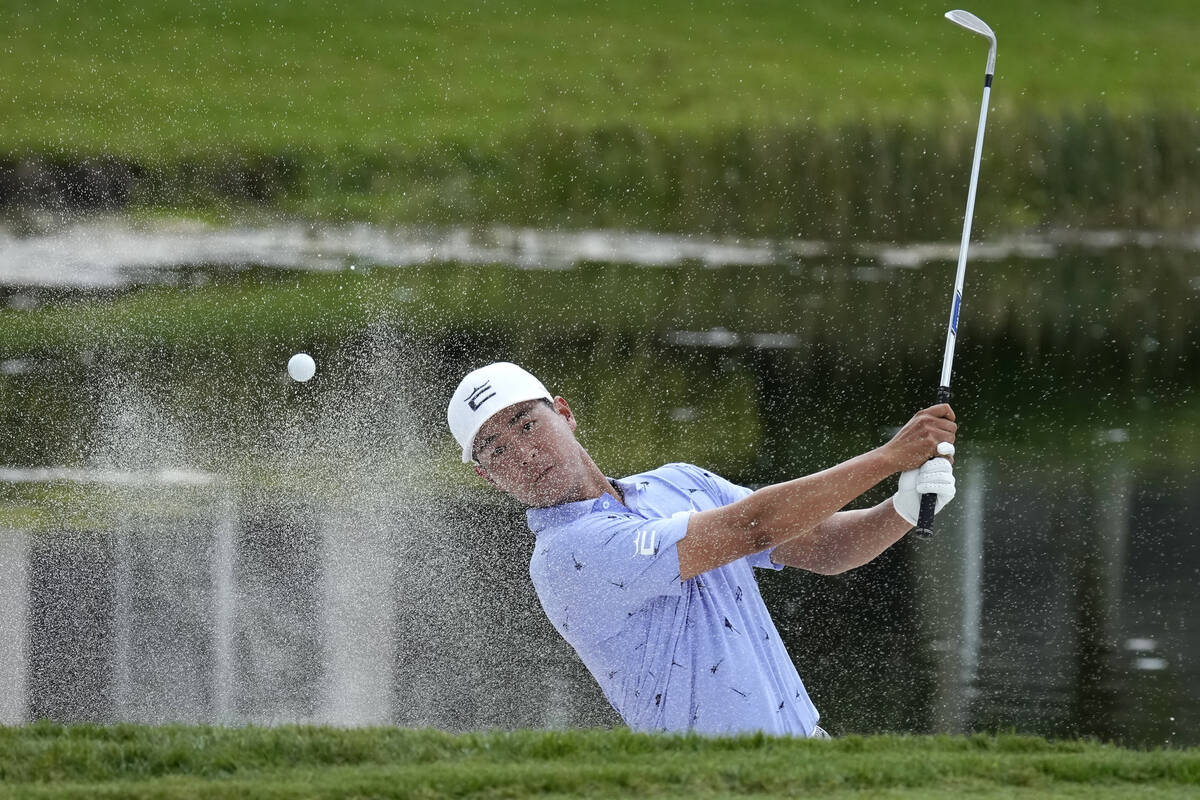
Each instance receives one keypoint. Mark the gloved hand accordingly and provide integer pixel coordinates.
(935, 476)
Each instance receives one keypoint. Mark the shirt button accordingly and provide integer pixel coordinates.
(606, 504)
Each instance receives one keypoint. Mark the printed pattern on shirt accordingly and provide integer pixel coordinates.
(668, 654)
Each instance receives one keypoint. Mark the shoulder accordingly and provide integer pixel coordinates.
(566, 543)
(693, 478)
(610, 561)
(676, 473)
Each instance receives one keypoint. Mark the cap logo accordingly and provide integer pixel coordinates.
(479, 396)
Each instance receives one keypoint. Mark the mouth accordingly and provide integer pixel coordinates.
(542, 474)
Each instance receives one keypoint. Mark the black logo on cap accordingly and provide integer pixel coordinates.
(479, 396)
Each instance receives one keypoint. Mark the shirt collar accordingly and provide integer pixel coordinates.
(554, 516)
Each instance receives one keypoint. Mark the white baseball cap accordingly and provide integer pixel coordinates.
(484, 392)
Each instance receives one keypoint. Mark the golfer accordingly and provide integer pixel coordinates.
(650, 578)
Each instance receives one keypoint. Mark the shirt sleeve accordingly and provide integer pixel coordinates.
(591, 581)
(728, 492)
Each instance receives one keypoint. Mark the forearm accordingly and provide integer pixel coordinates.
(776, 514)
(845, 540)
(780, 513)
(785, 511)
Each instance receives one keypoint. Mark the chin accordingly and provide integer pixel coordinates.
(546, 496)
(546, 499)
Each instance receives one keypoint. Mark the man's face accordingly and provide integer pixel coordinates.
(529, 451)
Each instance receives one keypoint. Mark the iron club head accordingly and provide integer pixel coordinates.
(974, 24)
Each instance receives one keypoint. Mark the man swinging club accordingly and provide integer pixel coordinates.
(650, 578)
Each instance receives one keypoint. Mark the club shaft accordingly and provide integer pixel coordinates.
(960, 275)
(924, 526)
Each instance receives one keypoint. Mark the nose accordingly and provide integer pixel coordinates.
(528, 452)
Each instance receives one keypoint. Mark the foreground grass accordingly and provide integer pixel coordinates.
(135, 761)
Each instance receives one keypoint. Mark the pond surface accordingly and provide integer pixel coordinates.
(186, 534)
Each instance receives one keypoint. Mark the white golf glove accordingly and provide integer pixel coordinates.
(935, 476)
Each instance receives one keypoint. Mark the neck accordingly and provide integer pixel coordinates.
(595, 483)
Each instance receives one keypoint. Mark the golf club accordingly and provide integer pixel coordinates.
(974, 24)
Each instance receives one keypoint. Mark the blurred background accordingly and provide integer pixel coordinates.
(726, 232)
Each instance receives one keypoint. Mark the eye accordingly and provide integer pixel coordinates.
(499, 451)
(528, 426)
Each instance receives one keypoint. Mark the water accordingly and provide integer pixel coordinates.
(188, 535)
(101, 252)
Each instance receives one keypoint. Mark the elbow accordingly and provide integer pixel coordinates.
(838, 568)
(758, 535)
(815, 562)
(761, 540)
(824, 562)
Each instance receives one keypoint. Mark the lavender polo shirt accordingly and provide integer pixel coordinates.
(698, 655)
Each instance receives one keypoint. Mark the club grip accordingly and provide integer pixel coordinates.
(924, 527)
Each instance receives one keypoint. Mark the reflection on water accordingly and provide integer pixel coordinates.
(114, 252)
(1059, 594)
(1054, 603)
(187, 535)
(1028, 616)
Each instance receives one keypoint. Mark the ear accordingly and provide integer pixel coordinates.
(481, 472)
(563, 410)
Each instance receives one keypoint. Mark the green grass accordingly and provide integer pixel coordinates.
(159, 79)
(1073, 343)
(69, 506)
(132, 761)
(1036, 305)
(816, 120)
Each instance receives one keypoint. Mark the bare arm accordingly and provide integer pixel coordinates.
(844, 541)
(784, 511)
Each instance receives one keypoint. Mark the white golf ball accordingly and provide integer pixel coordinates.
(301, 367)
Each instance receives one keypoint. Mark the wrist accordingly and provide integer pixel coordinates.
(911, 508)
(881, 463)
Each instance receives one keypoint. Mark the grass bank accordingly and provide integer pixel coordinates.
(1068, 344)
(813, 121)
(161, 79)
(132, 761)
(1082, 305)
